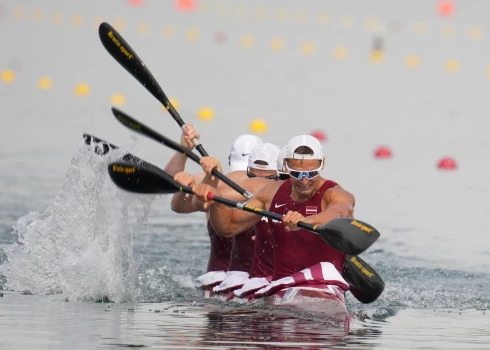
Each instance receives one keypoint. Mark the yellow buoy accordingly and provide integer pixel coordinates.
(8, 76)
(118, 99)
(412, 61)
(340, 53)
(82, 89)
(173, 102)
(307, 48)
(377, 56)
(247, 41)
(45, 83)
(452, 66)
(205, 113)
(258, 126)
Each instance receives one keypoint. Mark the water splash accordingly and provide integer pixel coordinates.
(82, 245)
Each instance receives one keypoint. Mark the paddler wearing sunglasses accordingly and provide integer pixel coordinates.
(305, 196)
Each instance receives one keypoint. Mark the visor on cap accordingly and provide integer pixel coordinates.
(304, 140)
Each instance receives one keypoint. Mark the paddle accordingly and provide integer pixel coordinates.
(344, 234)
(103, 147)
(365, 284)
(136, 126)
(125, 55)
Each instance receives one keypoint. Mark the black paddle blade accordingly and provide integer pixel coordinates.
(348, 235)
(142, 179)
(120, 50)
(101, 147)
(365, 284)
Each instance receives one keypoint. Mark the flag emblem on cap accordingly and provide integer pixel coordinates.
(311, 210)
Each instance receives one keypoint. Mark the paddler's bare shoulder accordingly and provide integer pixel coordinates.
(236, 176)
(267, 192)
(336, 195)
(254, 184)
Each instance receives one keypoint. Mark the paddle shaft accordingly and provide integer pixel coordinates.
(120, 50)
(144, 130)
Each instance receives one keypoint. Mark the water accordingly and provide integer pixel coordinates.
(69, 238)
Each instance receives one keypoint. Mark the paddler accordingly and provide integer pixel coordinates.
(305, 196)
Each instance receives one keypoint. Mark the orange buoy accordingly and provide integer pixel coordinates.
(383, 152)
(447, 163)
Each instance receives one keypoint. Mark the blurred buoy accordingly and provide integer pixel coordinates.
(220, 37)
(185, 5)
(383, 152)
(412, 61)
(82, 89)
(445, 8)
(118, 99)
(447, 163)
(45, 83)
(205, 113)
(340, 53)
(258, 126)
(452, 66)
(174, 103)
(8, 76)
(136, 2)
(319, 135)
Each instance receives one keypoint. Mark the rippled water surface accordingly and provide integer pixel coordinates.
(70, 239)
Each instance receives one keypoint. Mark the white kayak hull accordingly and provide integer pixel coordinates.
(322, 300)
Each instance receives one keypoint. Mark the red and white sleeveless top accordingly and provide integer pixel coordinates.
(219, 256)
(298, 250)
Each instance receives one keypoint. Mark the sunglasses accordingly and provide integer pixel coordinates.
(298, 175)
(270, 177)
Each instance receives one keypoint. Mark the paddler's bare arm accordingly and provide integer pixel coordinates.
(240, 177)
(183, 202)
(229, 222)
(177, 163)
(338, 203)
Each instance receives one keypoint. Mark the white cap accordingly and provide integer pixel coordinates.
(266, 152)
(280, 160)
(241, 149)
(304, 140)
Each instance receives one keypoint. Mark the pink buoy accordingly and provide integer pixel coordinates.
(447, 163)
(383, 152)
(220, 37)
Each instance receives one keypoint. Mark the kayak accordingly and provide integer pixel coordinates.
(322, 300)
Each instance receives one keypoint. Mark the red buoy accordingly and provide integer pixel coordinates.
(319, 135)
(185, 5)
(447, 163)
(383, 152)
(445, 8)
(136, 2)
